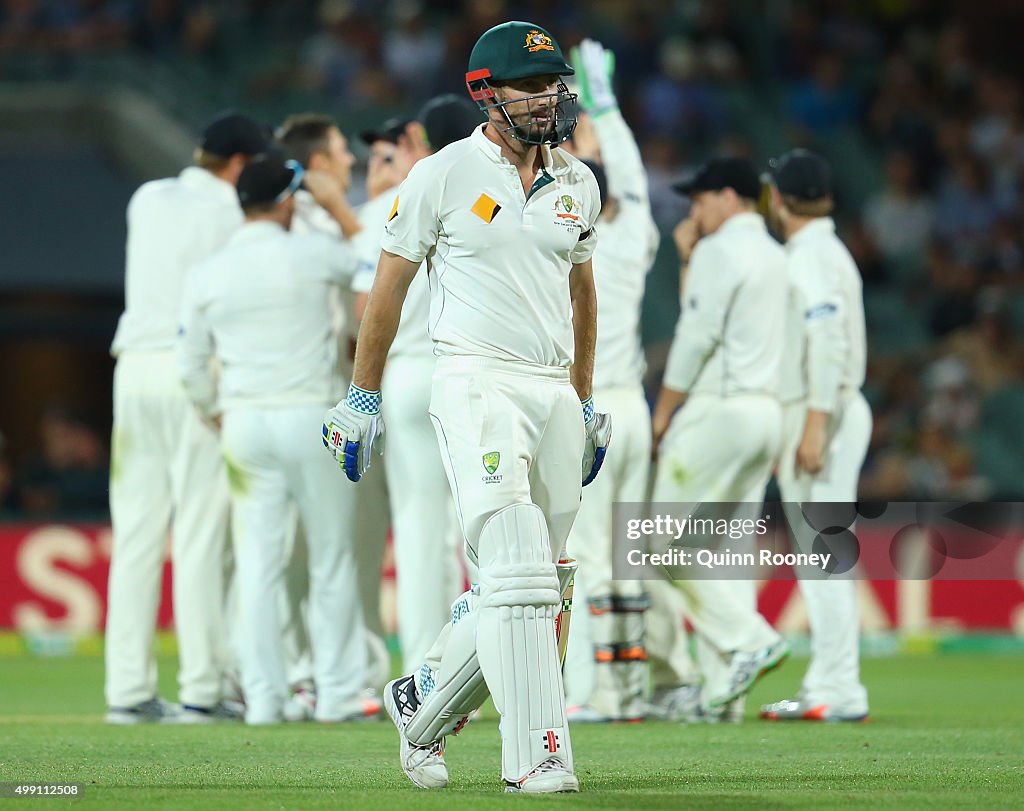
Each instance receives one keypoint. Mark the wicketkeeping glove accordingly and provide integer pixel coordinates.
(599, 434)
(595, 66)
(353, 429)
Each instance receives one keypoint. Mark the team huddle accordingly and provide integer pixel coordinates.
(492, 287)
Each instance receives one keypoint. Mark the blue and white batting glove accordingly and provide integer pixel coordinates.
(599, 434)
(595, 66)
(353, 429)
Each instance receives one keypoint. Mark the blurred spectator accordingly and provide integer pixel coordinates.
(941, 468)
(413, 52)
(680, 100)
(69, 474)
(953, 404)
(899, 218)
(824, 102)
(952, 291)
(987, 347)
(8, 501)
(967, 208)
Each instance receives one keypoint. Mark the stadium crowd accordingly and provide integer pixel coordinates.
(937, 238)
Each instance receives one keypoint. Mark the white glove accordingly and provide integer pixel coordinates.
(599, 434)
(354, 428)
(594, 66)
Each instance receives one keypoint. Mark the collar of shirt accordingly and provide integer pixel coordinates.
(256, 229)
(820, 225)
(196, 177)
(493, 152)
(748, 219)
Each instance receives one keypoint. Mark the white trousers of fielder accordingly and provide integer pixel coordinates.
(275, 457)
(166, 466)
(833, 675)
(720, 450)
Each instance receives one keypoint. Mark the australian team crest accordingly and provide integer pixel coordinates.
(491, 461)
(567, 203)
(538, 41)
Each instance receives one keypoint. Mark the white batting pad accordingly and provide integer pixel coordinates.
(519, 597)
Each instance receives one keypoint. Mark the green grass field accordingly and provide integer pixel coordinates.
(947, 731)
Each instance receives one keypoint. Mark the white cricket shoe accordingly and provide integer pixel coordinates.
(745, 668)
(681, 704)
(191, 714)
(366, 707)
(152, 711)
(301, 705)
(424, 765)
(551, 777)
(800, 709)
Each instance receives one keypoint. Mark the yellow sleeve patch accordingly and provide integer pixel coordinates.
(485, 208)
(394, 210)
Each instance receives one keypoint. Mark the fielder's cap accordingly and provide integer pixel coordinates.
(515, 50)
(269, 179)
(389, 131)
(802, 174)
(448, 118)
(232, 133)
(737, 174)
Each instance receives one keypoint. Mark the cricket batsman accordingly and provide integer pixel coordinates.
(506, 225)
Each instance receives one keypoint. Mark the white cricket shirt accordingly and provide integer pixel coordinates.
(623, 257)
(172, 224)
(826, 347)
(261, 306)
(412, 339)
(498, 260)
(729, 338)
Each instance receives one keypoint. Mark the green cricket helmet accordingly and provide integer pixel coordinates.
(519, 50)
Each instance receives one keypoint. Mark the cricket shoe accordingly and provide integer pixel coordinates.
(676, 704)
(799, 709)
(366, 707)
(731, 713)
(152, 711)
(746, 667)
(551, 777)
(301, 705)
(193, 714)
(424, 765)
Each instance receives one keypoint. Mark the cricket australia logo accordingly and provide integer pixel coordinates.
(491, 461)
(538, 41)
(567, 212)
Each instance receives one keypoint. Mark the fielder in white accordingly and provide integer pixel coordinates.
(320, 147)
(166, 467)
(826, 423)
(723, 369)
(428, 577)
(261, 305)
(613, 631)
(506, 224)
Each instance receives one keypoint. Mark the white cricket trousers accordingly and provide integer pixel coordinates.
(428, 572)
(166, 469)
(530, 418)
(592, 677)
(833, 675)
(275, 456)
(721, 450)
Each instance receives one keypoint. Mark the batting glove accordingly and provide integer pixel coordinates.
(595, 66)
(599, 434)
(353, 429)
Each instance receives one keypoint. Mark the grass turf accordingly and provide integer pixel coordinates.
(947, 731)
